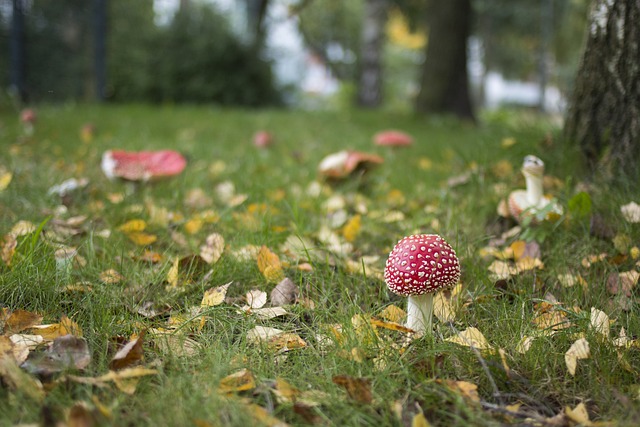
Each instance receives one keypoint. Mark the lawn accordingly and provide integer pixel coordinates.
(170, 344)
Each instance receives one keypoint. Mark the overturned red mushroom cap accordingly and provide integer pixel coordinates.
(392, 138)
(142, 165)
(420, 264)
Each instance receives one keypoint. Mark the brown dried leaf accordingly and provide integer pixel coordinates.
(468, 390)
(55, 330)
(19, 320)
(470, 337)
(65, 352)
(16, 379)
(111, 276)
(358, 389)
(286, 292)
(393, 326)
(128, 355)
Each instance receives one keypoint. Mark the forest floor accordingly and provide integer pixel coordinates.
(153, 303)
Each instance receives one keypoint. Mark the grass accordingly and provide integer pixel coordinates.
(279, 205)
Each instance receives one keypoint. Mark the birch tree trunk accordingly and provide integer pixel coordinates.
(604, 112)
(370, 76)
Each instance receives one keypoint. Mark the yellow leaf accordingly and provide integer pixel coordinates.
(468, 390)
(174, 273)
(470, 337)
(135, 225)
(111, 276)
(285, 392)
(264, 417)
(8, 248)
(578, 350)
(442, 308)
(518, 248)
(53, 331)
(419, 420)
(425, 163)
(242, 380)
(528, 263)
(5, 180)
(358, 389)
(578, 414)
(507, 142)
(352, 228)
(141, 239)
(215, 296)
(524, 345)
(389, 325)
(393, 313)
(269, 265)
(193, 225)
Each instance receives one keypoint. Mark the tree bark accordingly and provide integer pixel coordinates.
(444, 87)
(604, 113)
(370, 76)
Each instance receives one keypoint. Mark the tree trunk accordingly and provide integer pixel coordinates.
(604, 113)
(444, 85)
(370, 77)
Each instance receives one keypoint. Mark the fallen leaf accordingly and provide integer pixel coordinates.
(524, 344)
(631, 212)
(578, 415)
(578, 350)
(285, 342)
(269, 265)
(256, 298)
(352, 228)
(569, 280)
(242, 380)
(442, 308)
(142, 239)
(264, 417)
(286, 292)
(178, 345)
(507, 142)
(129, 354)
(16, 379)
(111, 276)
(66, 352)
(269, 312)
(600, 322)
(393, 313)
(19, 320)
(134, 225)
(393, 326)
(358, 389)
(212, 249)
(81, 415)
(55, 330)
(5, 180)
(470, 337)
(419, 420)
(193, 225)
(215, 296)
(262, 334)
(469, 391)
(285, 392)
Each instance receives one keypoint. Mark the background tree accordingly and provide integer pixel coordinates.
(371, 49)
(444, 85)
(604, 114)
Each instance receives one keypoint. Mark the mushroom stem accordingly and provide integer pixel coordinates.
(534, 189)
(420, 312)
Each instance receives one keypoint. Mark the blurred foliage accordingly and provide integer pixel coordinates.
(331, 29)
(195, 58)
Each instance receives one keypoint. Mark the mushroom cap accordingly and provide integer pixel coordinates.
(421, 264)
(392, 138)
(533, 165)
(341, 164)
(142, 165)
(262, 139)
(28, 115)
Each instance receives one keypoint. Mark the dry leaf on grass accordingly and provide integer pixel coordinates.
(600, 322)
(469, 391)
(631, 212)
(66, 352)
(393, 313)
(578, 350)
(286, 292)
(129, 354)
(269, 265)
(215, 296)
(470, 337)
(212, 249)
(19, 320)
(16, 379)
(358, 389)
(242, 380)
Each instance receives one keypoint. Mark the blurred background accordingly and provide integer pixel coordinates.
(312, 54)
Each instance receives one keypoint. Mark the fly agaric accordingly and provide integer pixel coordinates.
(28, 118)
(527, 203)
(392, 138)
(142, 165)
(417, 267)
(262, 139)
(343, 163)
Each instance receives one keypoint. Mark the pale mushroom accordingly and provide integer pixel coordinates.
(531, 201)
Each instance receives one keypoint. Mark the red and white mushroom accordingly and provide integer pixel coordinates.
(142, 165)
(527, 203)
(417, 267)
(28, 118)
(392, 138)
(262, 139)
(343, 163)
